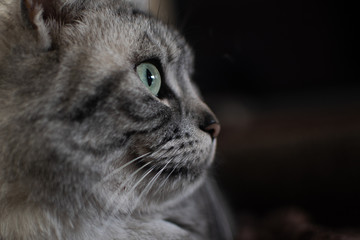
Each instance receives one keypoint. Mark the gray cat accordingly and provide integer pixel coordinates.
(102, 133)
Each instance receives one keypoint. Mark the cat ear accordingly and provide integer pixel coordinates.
(34, 13)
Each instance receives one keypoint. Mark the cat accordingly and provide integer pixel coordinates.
(103, 134)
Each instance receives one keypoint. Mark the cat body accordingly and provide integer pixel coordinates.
(102, 133)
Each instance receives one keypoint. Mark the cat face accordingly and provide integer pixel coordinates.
(99, 105)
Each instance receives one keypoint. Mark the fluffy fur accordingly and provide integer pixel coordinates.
(86, 151)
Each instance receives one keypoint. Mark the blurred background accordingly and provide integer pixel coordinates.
(281, 77)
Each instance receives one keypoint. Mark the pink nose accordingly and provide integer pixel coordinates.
(213, 129)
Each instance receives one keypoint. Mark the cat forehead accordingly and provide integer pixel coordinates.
(130, 32)
(122, 39)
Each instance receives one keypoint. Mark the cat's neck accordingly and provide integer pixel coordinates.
(32, 221)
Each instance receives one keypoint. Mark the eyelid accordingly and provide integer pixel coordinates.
(153, 60)
(156, 62)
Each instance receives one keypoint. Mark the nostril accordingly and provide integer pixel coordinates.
(210, 124)
(213, 129)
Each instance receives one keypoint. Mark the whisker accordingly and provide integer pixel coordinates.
(165, 180)
(132, 174)
(172, 171)
(117, 170)
(142, 178)
(149, 186)
(112, 199)
(153, 180)
(133, 189)
(114, 195)
(111, 174)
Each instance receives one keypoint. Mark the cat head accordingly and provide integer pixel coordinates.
(97, 103)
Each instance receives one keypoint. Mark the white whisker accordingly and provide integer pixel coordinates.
(111, 201)
(117, 170)
(165, 180)
(111, 174)
(148, 187)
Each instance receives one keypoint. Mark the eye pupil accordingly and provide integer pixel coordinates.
(150, 77)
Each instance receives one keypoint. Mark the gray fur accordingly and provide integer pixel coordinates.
(86, 151)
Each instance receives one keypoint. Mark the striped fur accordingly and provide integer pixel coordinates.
(86, 151)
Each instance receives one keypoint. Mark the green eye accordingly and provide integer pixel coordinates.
(150, 76)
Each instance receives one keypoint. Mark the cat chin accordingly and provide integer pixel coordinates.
(146, 194)
(171, 198)
(164, 182)
(157, 201)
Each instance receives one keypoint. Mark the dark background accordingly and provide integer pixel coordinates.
(282, 78)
